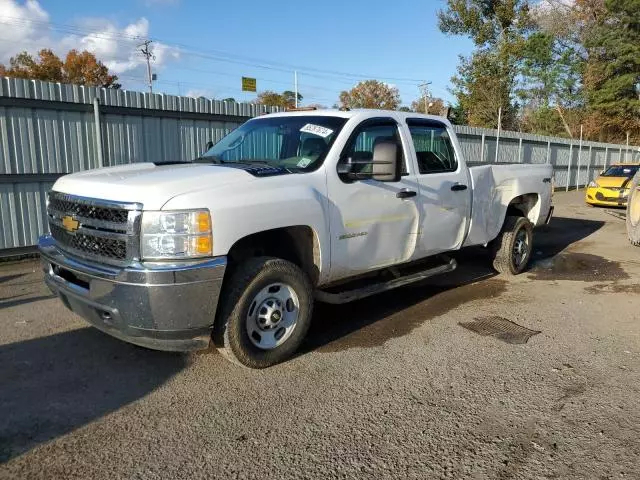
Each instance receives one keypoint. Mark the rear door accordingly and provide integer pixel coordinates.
(373, 223)
(444, 187)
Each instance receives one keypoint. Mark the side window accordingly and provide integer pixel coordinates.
(433, 146)
(366, 137)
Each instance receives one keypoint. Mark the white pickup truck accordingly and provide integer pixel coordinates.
(235, 246)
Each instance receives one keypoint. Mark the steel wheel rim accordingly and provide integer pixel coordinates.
(520, 252)
(272, 316)
(634, 206)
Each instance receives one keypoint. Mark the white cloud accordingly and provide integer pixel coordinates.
(23, 27)
(26, 27)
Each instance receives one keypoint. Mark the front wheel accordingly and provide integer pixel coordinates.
(633, 211)
(511, 249)
(265, 312)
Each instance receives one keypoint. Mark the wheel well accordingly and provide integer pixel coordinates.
(296, 244)
(524, 206)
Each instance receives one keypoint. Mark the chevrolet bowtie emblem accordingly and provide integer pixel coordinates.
(70, 224)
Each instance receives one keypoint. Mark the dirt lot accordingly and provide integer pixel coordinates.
(388, 387)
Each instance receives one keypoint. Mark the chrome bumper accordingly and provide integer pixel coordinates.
(154, 305)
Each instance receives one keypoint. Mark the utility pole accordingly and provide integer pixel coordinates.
(295, 86)
(498, 135)
(148, 54)
(424, 90)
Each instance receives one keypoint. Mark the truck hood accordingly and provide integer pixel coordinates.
(147, 183)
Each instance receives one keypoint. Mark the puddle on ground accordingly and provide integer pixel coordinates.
(372, 322)
(581, 267)
(613, 288)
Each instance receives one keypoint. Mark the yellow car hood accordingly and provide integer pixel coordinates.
(616, 182)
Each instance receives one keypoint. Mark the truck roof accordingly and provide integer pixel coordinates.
(362, 113)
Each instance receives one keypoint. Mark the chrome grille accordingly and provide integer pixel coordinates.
(94, 229)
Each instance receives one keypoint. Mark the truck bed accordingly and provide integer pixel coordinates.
(495, 185)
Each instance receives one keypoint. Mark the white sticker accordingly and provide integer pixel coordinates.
(304, 162)
(323, 132)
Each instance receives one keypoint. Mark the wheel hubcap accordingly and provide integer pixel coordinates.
(634, 206)
(520, 248)
(272, 316)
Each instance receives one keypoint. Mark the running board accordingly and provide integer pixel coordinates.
(363, 292)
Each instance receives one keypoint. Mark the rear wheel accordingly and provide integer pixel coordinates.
(265, 312)
(511, 249)
(633, 211)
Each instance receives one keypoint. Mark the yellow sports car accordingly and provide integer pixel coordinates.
(611, 188)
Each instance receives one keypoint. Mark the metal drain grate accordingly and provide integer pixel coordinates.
(500, 328)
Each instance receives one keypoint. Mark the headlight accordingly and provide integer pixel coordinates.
(593, 184)
(176, 234)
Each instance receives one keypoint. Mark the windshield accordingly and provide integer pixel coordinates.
(294, 143)
(621, 171)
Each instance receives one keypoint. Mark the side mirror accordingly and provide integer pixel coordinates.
(385, 162)
(383, 167)
(208, 145)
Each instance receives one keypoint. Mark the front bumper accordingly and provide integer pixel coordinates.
(606, 197)
(154, 305)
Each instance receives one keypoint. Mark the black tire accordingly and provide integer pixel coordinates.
(230, 332)
(633, 211)
(502, 247)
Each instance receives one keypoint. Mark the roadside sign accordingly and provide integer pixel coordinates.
(248, 84)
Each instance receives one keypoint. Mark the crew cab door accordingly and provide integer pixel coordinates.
(373, 223)
(444, 188)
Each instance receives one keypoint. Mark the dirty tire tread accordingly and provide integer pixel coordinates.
(633, 231)
(229, 327)
(502, 245)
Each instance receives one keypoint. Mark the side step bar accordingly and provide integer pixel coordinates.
(363, 292)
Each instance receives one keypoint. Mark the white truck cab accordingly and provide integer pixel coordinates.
(288, 208)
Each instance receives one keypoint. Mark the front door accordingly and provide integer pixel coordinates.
(373, 223)
(445, 188)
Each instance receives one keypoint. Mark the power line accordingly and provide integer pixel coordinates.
(213, 54)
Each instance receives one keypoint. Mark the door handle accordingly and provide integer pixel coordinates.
(458, 187)
(406, 194)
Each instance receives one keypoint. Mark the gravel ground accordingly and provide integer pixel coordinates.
(387, 387)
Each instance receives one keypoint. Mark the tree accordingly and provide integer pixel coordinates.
(486, 80)
(435, 106)
(371, 94)
(612, 75)
(285, 99)
(230, 100)
(81, 68)
(483, 89)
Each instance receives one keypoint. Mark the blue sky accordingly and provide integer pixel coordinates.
(204, 47)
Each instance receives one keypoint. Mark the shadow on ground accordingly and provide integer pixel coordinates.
(375, 320)
(53, 385)
(561, 233)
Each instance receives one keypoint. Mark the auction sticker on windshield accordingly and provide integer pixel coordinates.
(317, 130)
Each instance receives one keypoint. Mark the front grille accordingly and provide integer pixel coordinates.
(89, 245)
(98, 230)
(69, 207)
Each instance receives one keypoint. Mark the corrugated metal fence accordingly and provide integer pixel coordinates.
(49, 129)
